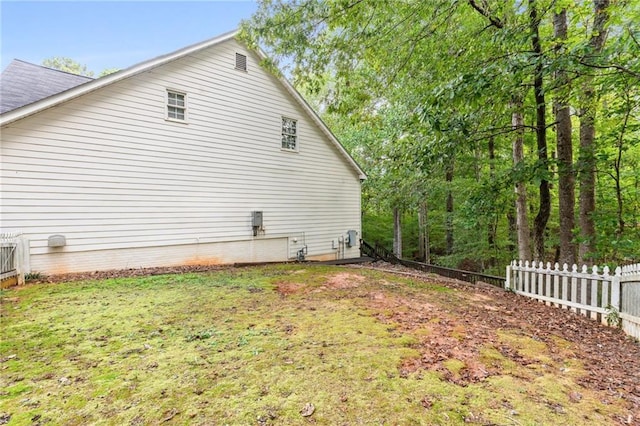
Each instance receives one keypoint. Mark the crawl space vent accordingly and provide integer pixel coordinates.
(241, 62)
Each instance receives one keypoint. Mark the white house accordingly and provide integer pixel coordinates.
(200, 156)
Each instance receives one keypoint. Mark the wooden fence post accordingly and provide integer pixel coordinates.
(606, 291)
(565, 284)
(556, 283)
(547, 284)
(594, 290)
(519, 284)
(583, 289)
(574, 285)
(615, 290)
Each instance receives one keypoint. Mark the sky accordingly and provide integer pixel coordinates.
(111, 34)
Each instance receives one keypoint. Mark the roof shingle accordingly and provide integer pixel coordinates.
(22, 83)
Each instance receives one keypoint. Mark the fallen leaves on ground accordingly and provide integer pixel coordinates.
(609, 357)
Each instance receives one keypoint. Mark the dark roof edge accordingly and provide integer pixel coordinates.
(53, 69)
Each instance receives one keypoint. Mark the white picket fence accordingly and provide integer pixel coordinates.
(13, 249)
(630, 303)
(597, 294)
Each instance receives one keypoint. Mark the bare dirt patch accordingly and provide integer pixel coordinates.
(339, 281)
(287, 288)
(459, 331)
(125, 273)
(344, 280)
(445, 338)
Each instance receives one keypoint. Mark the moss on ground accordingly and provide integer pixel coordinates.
(231, 347)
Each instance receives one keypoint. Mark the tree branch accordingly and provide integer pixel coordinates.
(496, 22)
(497, 131)
(633, 37)
(609, 66)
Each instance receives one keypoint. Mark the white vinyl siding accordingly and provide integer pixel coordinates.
(105, 171)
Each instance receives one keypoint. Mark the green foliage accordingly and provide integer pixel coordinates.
(33, 276)
(377, 228)
(108, 71)
(201, 334)
(73, 67)
(416, 89)
(67, 65)
(613, 317)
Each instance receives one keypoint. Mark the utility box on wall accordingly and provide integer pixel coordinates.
(352, 238)
(256, 222)
(56, 241)
(256, 219)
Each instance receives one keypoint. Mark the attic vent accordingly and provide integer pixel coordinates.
(241, 62)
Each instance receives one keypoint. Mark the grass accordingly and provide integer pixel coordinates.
(227, 347)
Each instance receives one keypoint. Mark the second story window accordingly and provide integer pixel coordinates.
(176, 105)
(289, 134)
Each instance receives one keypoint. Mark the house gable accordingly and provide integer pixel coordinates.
(111, 173)
(74, 92)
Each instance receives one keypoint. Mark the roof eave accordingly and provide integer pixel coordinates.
(43, 104)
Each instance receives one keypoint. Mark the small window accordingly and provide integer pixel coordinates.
(241, 62)
(289, 134)
(176, 106)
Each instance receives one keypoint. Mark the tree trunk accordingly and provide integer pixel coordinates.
(522, 219)
(587, 186)
(544, 209)
(492, 226)
(477, 161)
(423, 231)
(587, 140)
(617, 165)
(566, 182)
(513, 235)
(449, 207)
(397, 232)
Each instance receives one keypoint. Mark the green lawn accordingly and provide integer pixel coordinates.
(255, 345)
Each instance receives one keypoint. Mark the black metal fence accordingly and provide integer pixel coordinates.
(377, 252)
(381, 253)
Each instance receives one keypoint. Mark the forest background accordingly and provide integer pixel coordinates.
(489, 130)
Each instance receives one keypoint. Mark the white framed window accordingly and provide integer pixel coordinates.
(241, 62)
(176, 105)
(289, 134)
